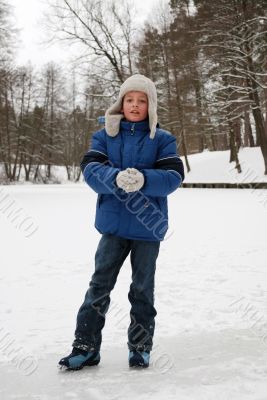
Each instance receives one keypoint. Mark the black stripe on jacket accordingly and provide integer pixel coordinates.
(93, 156)
(171, 163)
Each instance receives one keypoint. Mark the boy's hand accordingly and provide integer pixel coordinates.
(130, 180)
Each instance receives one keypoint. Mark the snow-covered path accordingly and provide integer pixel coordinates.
(211, 298)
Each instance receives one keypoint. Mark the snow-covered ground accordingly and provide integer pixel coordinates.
(211, 297)
(214, 166)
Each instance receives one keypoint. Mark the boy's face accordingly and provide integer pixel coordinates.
(135, 106)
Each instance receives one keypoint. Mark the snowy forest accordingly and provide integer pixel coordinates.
(207, 58)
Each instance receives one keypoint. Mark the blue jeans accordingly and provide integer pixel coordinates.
(110, 256)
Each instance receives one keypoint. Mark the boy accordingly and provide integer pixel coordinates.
(132, 165)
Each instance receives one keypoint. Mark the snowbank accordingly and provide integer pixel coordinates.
(214, 167)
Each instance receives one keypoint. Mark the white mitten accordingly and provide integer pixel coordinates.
(123, 179)
(130, 180)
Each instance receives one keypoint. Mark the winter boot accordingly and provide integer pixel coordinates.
(139, 359)
(79, 359)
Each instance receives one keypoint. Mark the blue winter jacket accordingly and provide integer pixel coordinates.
(141, 215)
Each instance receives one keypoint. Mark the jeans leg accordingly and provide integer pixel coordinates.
(110, 255)
(141, 295)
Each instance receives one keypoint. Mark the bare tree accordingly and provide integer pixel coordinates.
(103, 29)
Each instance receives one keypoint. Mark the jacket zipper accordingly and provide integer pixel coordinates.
(132, 129)
(121, 149)
(122, 142)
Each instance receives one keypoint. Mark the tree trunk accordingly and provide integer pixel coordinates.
(202, 138)
(237, 131)
(181, 120)
(8, 158)
(233, 148)
(248, 136)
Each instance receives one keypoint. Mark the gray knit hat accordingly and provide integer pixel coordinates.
(114, 115)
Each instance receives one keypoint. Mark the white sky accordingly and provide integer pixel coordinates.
(28, 14)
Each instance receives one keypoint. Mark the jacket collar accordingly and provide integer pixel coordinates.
(137, 126)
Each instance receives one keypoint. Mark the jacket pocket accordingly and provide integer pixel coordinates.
(153, 203)
(108, 202)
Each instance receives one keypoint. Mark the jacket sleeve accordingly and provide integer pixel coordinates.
(97, 170)
(168, 172)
